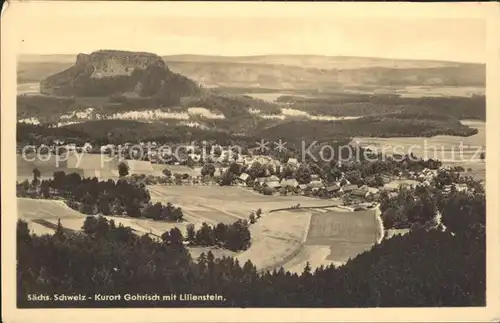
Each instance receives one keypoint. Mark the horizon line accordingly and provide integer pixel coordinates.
(264, 55)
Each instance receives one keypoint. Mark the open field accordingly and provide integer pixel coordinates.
(47, 167)
(52, 210)
(214, 204)
(28, 88)
(359, 227)
(139, 167)
(334, 237)
(316, 255)
(276, 239)
(87, 165)
(42, 215)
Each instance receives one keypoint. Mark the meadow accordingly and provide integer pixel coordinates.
(225, 203)
(276, 239)
(52, 210)
(87, 165)
(334, 237)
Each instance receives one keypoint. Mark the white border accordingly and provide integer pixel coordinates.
(18, 14)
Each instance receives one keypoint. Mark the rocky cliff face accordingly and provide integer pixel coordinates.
(109, 72)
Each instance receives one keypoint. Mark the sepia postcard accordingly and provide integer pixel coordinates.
(252, 161)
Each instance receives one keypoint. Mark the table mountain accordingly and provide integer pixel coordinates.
(111, 72)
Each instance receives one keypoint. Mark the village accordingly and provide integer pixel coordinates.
(213, 164)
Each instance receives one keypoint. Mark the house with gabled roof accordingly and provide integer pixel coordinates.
(293, 162)
(244, 177)
(261, 180)
(360, 191)
(316, 185)
(302, 186)
(333, 188)
(392, 194)
(349, 188)
(315, 177)
(273, 178)
(290, 183)
(272, 184)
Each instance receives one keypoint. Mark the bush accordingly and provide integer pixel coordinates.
(123, 169)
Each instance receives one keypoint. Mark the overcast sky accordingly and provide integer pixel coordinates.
(454, 39)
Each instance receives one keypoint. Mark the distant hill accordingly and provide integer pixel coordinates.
(110, 72)
(35, 71)
(52, 58)
(314, 61)
(282, 76)
(289, 71)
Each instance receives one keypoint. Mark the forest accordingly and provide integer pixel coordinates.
(424, 268)
(117, 132)
(347, 104)
(91, 196)
(294, 131)
(397, 124)
(418, 205)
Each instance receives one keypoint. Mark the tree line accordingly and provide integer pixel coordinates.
(364, 104)
(91, 196)
(421, 205)
(235, 236)
(395, 124)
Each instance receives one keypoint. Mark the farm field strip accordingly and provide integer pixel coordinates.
(31, 208)
(197, 207)
(334, 237)
(316, 255)
(342, 251)
(39, 229)
(50, 225)
(229, 214)
(51, 210)
(358, 226)
(193, 211)
(275, 238)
